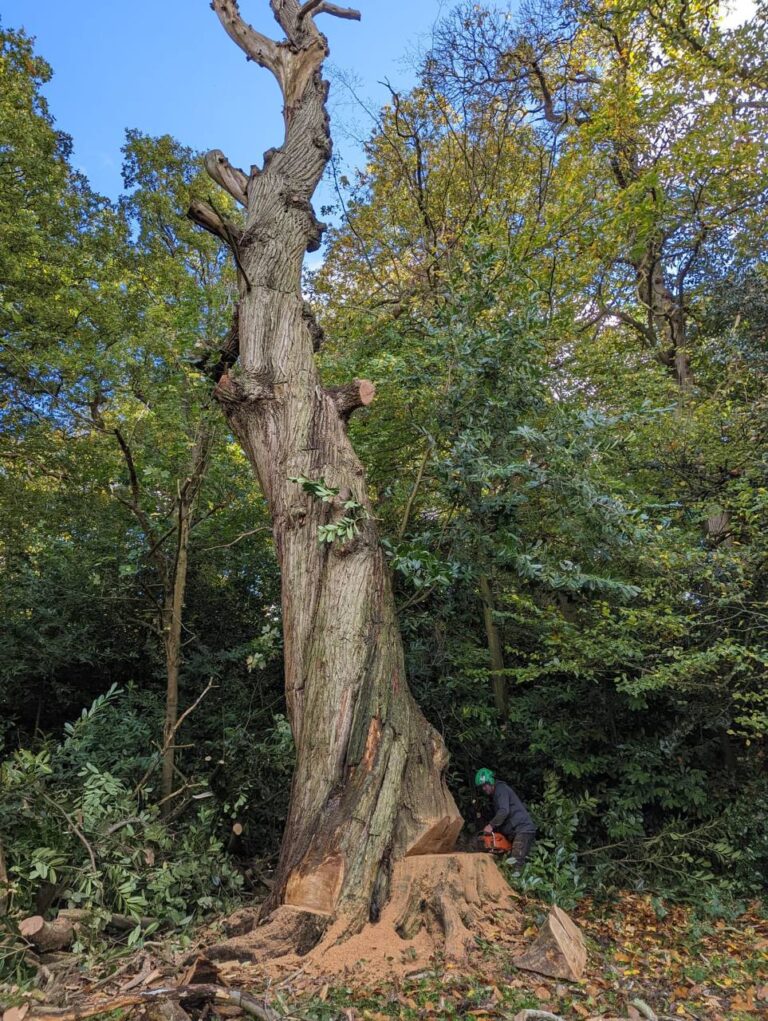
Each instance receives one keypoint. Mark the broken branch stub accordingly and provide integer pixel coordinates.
(231, 179)
(360, 393)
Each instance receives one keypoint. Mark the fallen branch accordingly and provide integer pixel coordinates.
(195, 994)
(73, 827)
(60, 932)
(644, 1009)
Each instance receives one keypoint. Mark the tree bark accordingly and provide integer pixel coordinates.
(369, 783)
(173, 608)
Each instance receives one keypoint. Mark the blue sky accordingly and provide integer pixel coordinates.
(166, 66)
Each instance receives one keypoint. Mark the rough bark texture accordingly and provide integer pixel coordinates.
(369, 785)
(48, 936)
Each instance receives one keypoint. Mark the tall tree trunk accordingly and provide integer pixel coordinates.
(173, 607)
(495, 649)
(172, 624)
(369, 784)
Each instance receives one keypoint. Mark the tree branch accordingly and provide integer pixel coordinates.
(73, 826)
(210, 219)
(205, 216)
(315, 7)
(351, 396)
(256, 46)
(169, 739)
(231, 179)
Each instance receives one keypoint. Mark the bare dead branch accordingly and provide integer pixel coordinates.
(315, 7)
(256, 46)
(243, 535)
(169, 738)
(231, 179)
(205, 216)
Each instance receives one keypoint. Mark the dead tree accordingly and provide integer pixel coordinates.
(369, 785)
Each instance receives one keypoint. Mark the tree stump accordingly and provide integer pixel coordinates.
(438, 905)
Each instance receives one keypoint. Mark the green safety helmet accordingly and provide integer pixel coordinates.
(484, 776)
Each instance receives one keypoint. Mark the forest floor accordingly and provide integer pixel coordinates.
(646, 959)
(665, 958)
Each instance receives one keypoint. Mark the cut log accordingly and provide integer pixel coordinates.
(48, 936)
(60, 933)
(558, 951)
(16, 1013)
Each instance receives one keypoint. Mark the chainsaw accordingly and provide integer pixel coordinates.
(494, 843)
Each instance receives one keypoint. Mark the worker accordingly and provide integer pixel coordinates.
(511, 817)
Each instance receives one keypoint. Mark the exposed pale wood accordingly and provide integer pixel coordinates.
(558, 951)
(315, 7)
(47, 936)
(432, 906)
(207, 217)
(256, 46)
(351, 396)
(231, 179)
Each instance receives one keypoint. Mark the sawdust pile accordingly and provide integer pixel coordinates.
(439, 904)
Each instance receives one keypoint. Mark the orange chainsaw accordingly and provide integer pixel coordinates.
(495, 843)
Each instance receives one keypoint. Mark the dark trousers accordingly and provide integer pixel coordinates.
(521, 848)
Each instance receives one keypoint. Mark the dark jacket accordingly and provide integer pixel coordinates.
(510, 814)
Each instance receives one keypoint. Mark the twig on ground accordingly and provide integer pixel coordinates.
(537, 1015)
(644, 1009)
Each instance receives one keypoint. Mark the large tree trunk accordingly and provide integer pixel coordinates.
(369, 785)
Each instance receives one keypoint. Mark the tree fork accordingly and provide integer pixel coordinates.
(369, 784)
